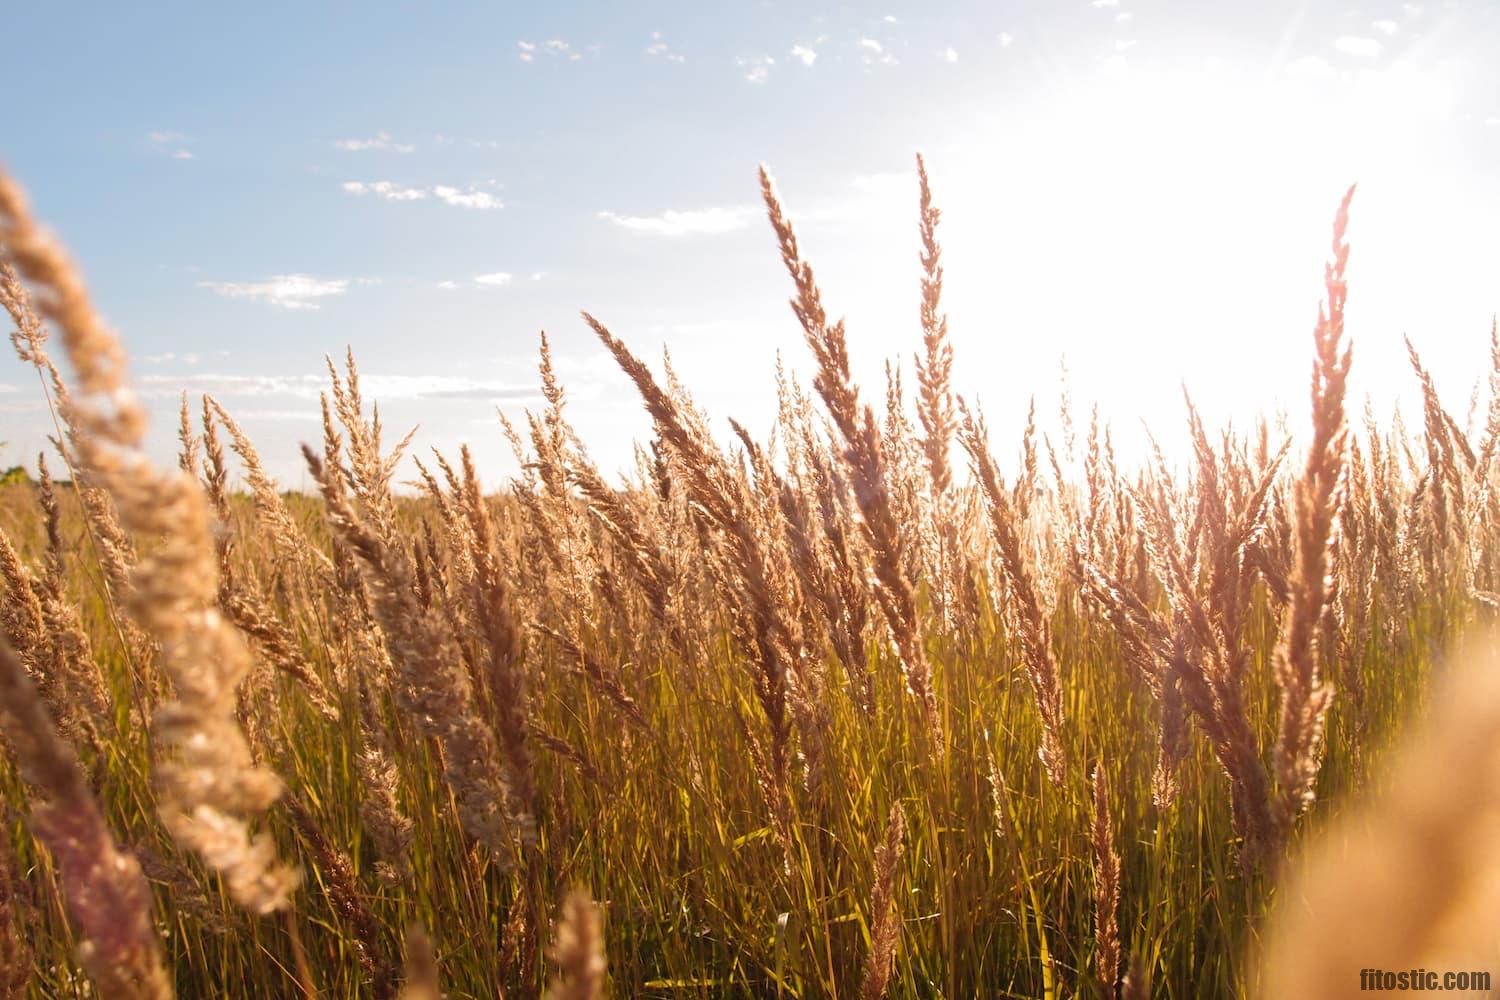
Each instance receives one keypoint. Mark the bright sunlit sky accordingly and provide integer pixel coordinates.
(1141, 191)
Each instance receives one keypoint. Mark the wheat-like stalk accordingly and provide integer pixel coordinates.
(864, 459)
(209, 782)
(885, 918)
(1410, 876)
(1306, 695)
(105, 891)
(578, 951)
(1106, 894)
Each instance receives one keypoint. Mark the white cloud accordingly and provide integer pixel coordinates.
(675, 223)
(161, 359)
(382, 140)
(387, 190)
(1492, 122)
(660, 50)
(495, 279)
(1386, 27)
(1124, 44)
(391, 191)
(174, 144)
(1411, 10)
(553, 47)
(467, 199)
(1360, 48)
(537, 275)
(376, 387)
(1104, 3)
(757, 68)
(950, 54)
(285, 291)
(889, 19)
(447, 286)
(1124, 17)
(1006, 39)
(875, 52)
(805, 54)
(6, 387)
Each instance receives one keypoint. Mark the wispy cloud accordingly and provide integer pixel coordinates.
(284, 291)
(1007, 39)
(173, 144)
(556, 48)
(757, 68)
(874, 52)
(378, 387)
(675, 223)
(388, 190)
(1360, 48)
(948, 55)
(495, 279)
(447, 286)
(1099, 4)
(659, 49)
(1387, 27)
(804, 55)
(6, 387)
(169, 356)
(472, 198)
(449, 140)
(382, 140)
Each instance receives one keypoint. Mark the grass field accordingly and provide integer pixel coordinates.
(873, 707)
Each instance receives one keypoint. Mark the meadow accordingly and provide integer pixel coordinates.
(870, 706)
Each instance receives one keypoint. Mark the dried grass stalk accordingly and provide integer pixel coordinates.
(885, 926)
(208, 783)
(106, 894)
(1106, 894)
(865, 460)
(578, 951)
(1409, 876)
(1305, 694)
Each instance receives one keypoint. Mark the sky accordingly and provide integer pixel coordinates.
(1136, 196)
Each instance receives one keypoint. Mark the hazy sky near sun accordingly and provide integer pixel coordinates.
(1144, 189)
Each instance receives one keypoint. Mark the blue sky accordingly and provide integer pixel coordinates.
(1140, 189)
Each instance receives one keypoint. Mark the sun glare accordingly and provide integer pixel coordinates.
(1156, 228)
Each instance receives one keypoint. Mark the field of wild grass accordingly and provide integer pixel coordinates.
(875, 707)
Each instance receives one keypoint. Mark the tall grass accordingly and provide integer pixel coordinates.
(814, 715)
